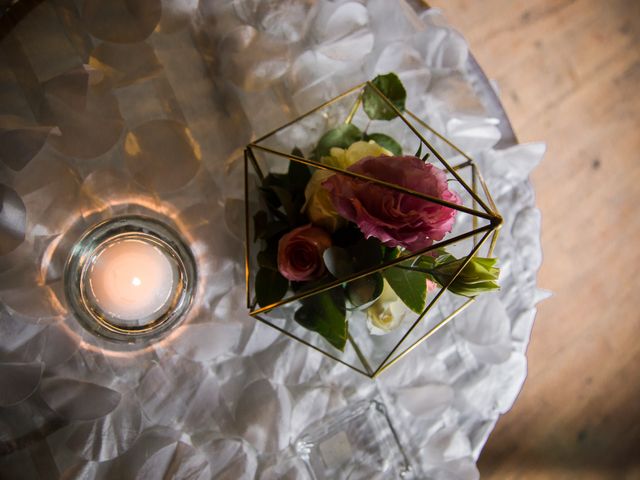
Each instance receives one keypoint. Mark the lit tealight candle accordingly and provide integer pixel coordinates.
(132, 281)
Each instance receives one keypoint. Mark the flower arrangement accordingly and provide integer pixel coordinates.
(356, 225)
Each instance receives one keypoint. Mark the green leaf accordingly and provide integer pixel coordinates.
(391, 253)
(367, 253)
(375, 106)
(299, 175)
(276, 180)
(409, 285)
(270, 286)
(385, 141)
(268, 259)
(364, 291)
(342, 136)
(338, 261)
(270, 198)
(347, 236)
(284, 196)
(419, 151)
(260, 222)
(273, 229)
(325, 314)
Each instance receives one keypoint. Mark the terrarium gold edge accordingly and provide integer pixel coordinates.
(364, 273)
(431, 332)
(431, 304)
(313, 110)
(399, 188)
(390, 104)
(308, 344)
(491, 213)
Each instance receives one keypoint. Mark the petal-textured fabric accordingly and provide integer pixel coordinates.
(153, 122)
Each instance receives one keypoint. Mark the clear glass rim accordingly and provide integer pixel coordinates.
(93, 319)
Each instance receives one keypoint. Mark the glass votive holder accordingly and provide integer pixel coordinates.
(130, 279)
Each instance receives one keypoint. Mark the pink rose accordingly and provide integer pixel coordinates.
(300, 253)
(395, 218)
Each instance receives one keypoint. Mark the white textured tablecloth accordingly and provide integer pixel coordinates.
(226, 397)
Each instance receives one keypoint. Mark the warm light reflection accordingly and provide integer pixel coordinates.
(132, 204)
(116, 286)
(143, 350)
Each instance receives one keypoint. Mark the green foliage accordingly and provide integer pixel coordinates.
(285, 199)
(351, 248)
(275, 229)
(325, 313)
(342, 136)
(347, 236)
(260, 222)
(338, 261)
(366, 253)
(410, 286)
(418, 154)
(391, 253)
(267, 260)
(283, 195)
(375, 106)
(298, 174)
(270, 286)
(385, 141)
(364, 291)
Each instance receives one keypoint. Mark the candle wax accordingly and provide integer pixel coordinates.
(132, 280)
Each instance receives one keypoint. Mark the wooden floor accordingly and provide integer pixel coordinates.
(569, 74)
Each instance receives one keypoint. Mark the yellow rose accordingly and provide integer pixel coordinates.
(387, 313)
(318, 205)
(343, 159)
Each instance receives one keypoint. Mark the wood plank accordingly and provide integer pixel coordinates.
(569, 71)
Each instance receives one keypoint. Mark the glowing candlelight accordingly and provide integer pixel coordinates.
(132, 280)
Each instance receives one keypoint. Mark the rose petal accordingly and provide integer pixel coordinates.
(393, 217)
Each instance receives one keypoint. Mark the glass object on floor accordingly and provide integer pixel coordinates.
(358, 442)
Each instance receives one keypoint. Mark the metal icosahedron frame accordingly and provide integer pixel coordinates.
(487, 210)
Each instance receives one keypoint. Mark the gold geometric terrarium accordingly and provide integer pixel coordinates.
(475, 232)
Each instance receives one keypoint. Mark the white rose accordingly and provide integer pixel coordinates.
(387, 313)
